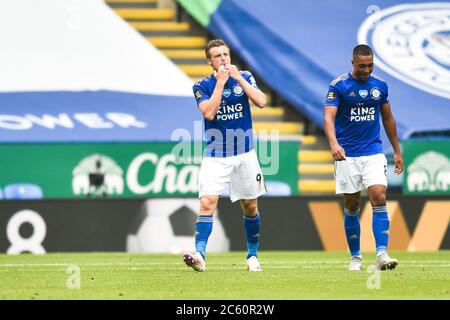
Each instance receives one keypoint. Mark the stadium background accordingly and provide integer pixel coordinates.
(94, 96)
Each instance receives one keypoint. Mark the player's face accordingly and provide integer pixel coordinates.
(362, 67)
(219, 56)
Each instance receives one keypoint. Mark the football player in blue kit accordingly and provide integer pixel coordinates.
(229, 157)
(352, 110)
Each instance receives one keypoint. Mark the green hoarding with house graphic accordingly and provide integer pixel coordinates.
(128, 169)
(427, 167)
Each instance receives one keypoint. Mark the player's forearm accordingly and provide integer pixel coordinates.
(210, 108)
(391, 131)
(330, 131)
(255, 95)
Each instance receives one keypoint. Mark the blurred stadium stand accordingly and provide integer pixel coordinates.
(23, 191)
(300, 64)
(89, 81)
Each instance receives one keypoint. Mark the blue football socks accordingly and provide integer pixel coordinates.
(380, 227)
(252, 225)
(352, 231)
(203, 229)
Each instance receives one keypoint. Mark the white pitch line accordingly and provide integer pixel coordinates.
(409, 263)
(81, 264)
(221, 267)
(147, 263)
(154, 263)
(428, 261)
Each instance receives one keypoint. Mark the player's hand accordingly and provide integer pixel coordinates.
(338, 153)
(398, 161)
(233, 70)
(222, 74)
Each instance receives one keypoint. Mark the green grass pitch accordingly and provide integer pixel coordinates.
(285, 276)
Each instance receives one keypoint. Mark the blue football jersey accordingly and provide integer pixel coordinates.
(230, 132)
(357, 119)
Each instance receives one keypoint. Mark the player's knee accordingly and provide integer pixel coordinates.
(351, 204)
(207, 205)
(250, 207)
(378, 200)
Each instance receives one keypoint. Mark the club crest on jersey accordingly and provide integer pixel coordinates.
(226, 93)
(363, 93)
(237, 90)
(375, 93)
(410, 42)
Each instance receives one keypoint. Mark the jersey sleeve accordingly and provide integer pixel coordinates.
(385, 97)
(332, 98)
(250, 79)
(200, 93)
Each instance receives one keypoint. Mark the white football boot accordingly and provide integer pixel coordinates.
(355, 263)
(195, 261)
(384, 262)
(253, 264)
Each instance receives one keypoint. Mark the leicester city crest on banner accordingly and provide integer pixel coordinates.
(411, 42)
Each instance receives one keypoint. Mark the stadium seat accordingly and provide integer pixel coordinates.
(226, 192)
(21, 191)
(274, 189)
(277, 189)
(143, 14)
